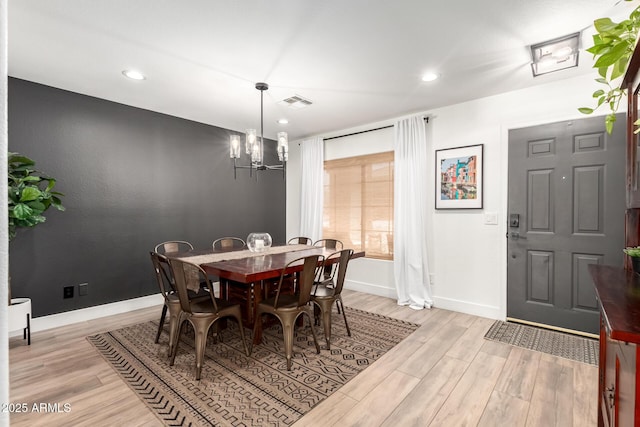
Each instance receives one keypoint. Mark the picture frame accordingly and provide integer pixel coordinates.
(459, 177)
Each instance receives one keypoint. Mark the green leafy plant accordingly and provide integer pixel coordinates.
(30, 194)
(613, 45)
(632, 251)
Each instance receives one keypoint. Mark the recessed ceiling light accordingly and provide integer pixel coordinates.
(134, 75)
(283, 121)
(429, 77)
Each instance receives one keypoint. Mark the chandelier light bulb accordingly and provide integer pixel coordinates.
(234, 144)
(250, 140)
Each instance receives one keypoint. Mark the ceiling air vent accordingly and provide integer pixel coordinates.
(296, 101)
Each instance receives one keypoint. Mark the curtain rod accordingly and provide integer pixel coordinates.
(426, 119)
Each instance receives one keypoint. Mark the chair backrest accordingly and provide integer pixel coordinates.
(329, 244)
(340, 271)
(188, 275)
(229, 243)
(300, 241)
(163, 274)
(173, 246)
(312, 267)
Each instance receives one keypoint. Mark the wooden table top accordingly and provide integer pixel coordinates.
(255, 268)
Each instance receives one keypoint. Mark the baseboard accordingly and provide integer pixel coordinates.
(467, 307)
(67, 318)
(84, 314)
(369, 288)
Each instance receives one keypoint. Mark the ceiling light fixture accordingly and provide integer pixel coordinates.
(555, 55)
(429, 77)
(283, 121)
(134, 75)
(255, 148)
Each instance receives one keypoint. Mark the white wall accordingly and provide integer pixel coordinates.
(467, 258)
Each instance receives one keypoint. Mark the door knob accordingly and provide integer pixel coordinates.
(515, 235)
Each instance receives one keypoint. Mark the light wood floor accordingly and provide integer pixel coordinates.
(445, 374)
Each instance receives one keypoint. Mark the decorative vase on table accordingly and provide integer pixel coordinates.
(259, 242)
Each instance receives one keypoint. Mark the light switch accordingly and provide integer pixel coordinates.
(491, 218)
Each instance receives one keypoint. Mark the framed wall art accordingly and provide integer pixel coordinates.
(459, 177)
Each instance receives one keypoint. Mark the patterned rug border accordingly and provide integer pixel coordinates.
(561, 344)
(196, 407)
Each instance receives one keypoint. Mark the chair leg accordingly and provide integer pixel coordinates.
(287, 332)
(181, 321)
(164, 313)
(201, 327)
(324, 307)
(174, 336)
(326, 322)
(344, 314)
(313, 332)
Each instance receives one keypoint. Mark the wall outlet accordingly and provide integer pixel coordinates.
(67, 292)
(83, 289)
(432, 279)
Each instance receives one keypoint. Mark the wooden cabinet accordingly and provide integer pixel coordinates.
(618, 293)
(631, 83)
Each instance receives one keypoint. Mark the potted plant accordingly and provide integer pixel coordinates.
(634, 253)
(613, 45)
(30, 195)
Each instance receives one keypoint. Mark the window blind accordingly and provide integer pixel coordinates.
(358, 203)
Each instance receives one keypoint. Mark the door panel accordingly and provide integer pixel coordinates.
(584, 292)
(566, 183)
(540, 276)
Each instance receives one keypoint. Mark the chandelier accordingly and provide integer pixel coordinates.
(254, 147)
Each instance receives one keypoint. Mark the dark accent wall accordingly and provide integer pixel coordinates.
(132, 178)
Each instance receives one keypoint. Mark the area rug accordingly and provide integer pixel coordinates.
(236, 390)
(560, 344)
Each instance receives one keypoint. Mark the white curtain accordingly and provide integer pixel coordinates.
(311, 187)
(410, 213)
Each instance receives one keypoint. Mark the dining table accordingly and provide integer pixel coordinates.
(246, 277)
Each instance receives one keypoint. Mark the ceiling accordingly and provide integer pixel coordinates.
(358, 61)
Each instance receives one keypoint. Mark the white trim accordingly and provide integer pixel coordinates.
(489, 311)
(84, 314)
(369, 288)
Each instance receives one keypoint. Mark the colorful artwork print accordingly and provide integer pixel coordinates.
(459, 178)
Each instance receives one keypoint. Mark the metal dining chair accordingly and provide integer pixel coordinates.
(334, 244)
(288, 308)
(300, 241)
(201, 314)
(173, 246)
(331, 244)
(164, 278)
(229, 244)
(329, 290)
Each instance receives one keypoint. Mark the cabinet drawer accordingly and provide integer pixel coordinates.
(618, 396)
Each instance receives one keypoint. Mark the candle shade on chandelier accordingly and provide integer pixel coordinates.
(254, 147)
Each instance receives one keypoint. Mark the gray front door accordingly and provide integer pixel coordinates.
(566, 211)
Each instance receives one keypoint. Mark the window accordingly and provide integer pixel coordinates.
(358, 203)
